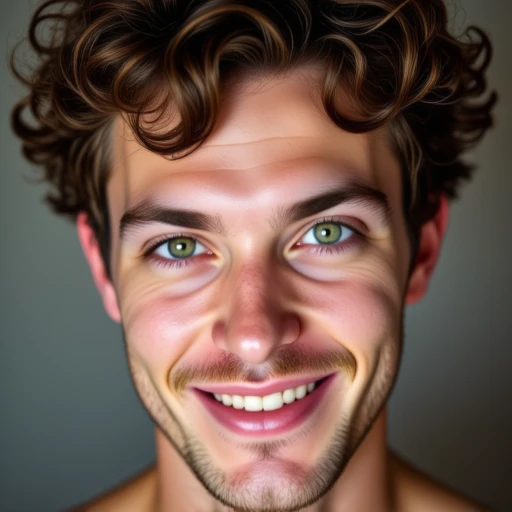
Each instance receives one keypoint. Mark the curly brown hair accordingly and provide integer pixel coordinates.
(99, 58)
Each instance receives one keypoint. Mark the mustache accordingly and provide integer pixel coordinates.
(287, 362)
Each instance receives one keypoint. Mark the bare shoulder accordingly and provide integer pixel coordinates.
(416, 491)
(135, 495)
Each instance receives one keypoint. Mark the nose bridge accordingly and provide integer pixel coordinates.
(256, 321)
(254, 308)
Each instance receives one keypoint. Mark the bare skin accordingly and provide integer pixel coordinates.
(410, 490)
(260, 289)
(414, 491)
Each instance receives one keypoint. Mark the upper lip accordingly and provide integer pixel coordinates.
(258, 389)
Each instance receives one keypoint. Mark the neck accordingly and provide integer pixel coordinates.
(179, 490)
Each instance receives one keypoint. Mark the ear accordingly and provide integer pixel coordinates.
(92, 253)
(431, 238)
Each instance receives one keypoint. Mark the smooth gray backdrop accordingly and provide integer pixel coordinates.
(71, 425)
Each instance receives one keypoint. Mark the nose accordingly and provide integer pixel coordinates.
(257, 322)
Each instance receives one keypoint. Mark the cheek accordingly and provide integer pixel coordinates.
(360, 313)
(364, 314)
(360, 305)
(160, 327)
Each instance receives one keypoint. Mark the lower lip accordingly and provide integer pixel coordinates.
(263, 423)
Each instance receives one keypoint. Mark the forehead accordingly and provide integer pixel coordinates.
(272, 136)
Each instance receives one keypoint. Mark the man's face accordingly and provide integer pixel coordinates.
(264, 299)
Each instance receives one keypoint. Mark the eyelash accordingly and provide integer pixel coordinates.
(339, 248)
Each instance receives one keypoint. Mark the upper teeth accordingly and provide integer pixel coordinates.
(268, 402)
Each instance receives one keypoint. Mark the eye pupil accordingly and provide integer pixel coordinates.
(331, 234)
(181, 247)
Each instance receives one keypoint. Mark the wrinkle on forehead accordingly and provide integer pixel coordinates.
(325, 144)
(261, 162)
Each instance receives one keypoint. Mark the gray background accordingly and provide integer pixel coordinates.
(71, 425)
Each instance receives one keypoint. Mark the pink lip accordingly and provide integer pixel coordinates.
(256, 390)
(264, 423)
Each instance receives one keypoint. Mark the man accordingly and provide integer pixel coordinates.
(259, 189)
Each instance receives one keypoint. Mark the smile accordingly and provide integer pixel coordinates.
(266, 403)
(256, 413)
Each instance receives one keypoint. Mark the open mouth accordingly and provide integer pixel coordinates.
(273, 414)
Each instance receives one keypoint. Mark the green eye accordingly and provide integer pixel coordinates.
(181, 247)
(327, 233)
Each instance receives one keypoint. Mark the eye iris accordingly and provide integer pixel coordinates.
(181, 247)
(330, 234)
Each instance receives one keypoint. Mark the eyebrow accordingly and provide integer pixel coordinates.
(149, 211)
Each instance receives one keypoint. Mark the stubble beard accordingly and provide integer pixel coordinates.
(295, 488)
(288, 490)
